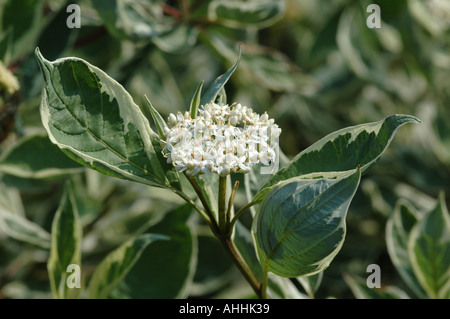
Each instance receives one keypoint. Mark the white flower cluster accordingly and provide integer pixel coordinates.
(221, 139)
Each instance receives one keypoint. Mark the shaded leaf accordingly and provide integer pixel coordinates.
(241, 14)
(362, 291)
(311, 283)
(429, 251)
(165, 269)
(209, 185)
(24, 30)
(178, 39)
(211, 274)
(278, 287)
(269, 68)
(398, 228)
(36, 157)
(22, 229)
(113, 269)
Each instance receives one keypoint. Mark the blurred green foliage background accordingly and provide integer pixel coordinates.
(313, 65)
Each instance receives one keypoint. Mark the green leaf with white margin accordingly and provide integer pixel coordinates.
(254, 180)
(180, 38)
(25, 30)
(94, 121)
(20, 228)
(362, 291)
(429, 251)
(341, 151)
(6, 38)
(398, 228)
(65, 246)
(10, 200)
(218, 84)
(311, 283)
(165, 269)
(266, 67)
(211, 274)
(300, 226)
(13, 222)
(157, 118)
(241, 14)
(113, 269)
(131, 19)
(36, 157)
(195, 101)
(209, 186)
(278, 287)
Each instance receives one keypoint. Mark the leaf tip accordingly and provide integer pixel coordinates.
(38, 54)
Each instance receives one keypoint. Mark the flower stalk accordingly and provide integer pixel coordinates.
(222, 195)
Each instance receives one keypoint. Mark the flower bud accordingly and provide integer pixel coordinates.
(264, 117)
(172, 119)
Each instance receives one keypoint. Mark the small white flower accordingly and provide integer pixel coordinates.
(221, 139)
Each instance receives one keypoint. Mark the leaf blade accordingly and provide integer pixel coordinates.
(219, 83)
(157, 118)
(21, 159)
(429, 251)
(237, 14)
(165, 269)
(341, 151)
(398, 228)
(300, 226)
(22, 229)
(361, 291)
(94, 120)
(195, 101)
(112, 270)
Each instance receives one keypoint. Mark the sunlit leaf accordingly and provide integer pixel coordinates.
(94, 121)
(341, 151)
(300, 226)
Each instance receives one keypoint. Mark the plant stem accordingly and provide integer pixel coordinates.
(264, 283)
(222, 194)
(239, 213)
(199, 193)
(230, 204)
(191, 202)
(240, 264)
(223, 230)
